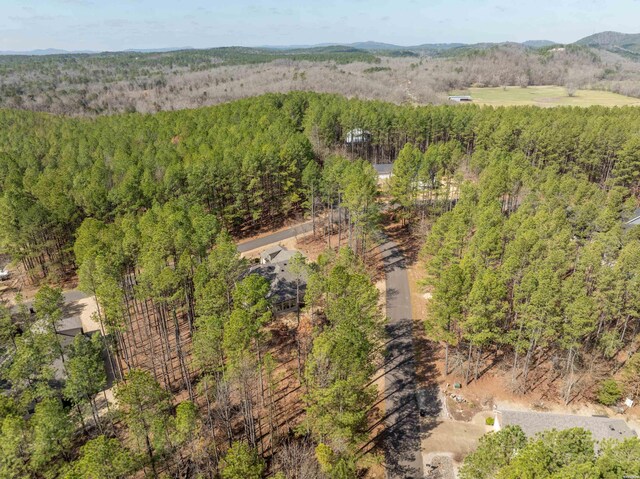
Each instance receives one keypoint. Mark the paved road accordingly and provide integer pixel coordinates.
(403, 456)
(275, 237)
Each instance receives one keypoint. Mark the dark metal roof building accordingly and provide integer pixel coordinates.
(533, 423)
(384, 169)
(286, 286)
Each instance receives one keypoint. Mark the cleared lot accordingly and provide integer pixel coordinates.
(546, 96)
(453, 438)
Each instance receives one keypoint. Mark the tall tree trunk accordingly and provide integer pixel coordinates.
(446, 359)
(527, 361)
(468, 373)
(313, 212)
(479, 355)
(183, 366)
(330, 228)
(260, 381)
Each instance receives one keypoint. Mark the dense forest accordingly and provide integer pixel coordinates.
(527, 256)
(89, 85)
(533, 260)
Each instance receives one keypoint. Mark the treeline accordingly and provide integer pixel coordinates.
(244, 161)
(342, 361)
(113, 66)
(48, 82)
(346, 192)
(591, 142)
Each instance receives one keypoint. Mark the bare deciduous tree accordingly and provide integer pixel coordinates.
(296, 459)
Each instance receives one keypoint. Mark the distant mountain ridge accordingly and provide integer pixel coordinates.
(609, 38)
(538, 43)
(57, 51)
(368, 45)
(622, 43)
(44, 51)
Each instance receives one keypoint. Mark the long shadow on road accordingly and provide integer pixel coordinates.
(403, 457)
(402, 432)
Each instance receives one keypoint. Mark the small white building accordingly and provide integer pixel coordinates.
(460, 98)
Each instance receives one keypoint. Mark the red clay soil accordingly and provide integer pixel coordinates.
(20, 282)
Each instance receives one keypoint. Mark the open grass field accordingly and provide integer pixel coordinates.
(546, 96)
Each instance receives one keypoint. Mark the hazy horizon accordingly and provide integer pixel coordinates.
(147, 24)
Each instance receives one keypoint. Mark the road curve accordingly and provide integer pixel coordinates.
(403, 456)
(275, 237)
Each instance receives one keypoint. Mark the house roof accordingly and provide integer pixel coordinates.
(533, 423)
(635, 218)
(283, 282)
(277, 254)
(383, 169)
(66, 327)
(69, 324)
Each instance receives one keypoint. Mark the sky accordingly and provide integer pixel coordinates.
(122, 24)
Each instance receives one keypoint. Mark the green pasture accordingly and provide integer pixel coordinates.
(545, 96)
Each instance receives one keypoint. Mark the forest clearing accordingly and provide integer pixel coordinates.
(546, 96)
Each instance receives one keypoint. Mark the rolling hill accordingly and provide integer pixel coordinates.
(621, 43)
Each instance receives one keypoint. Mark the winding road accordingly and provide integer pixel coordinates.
(403, 456)
(281, 235)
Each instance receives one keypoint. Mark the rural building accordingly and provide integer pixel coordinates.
(460, 98)
(357, 136)
(66, 330)
(533, 423)
(77, 320)
(276, 254)
(634, 220)
(384, 171)
(287, 287)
